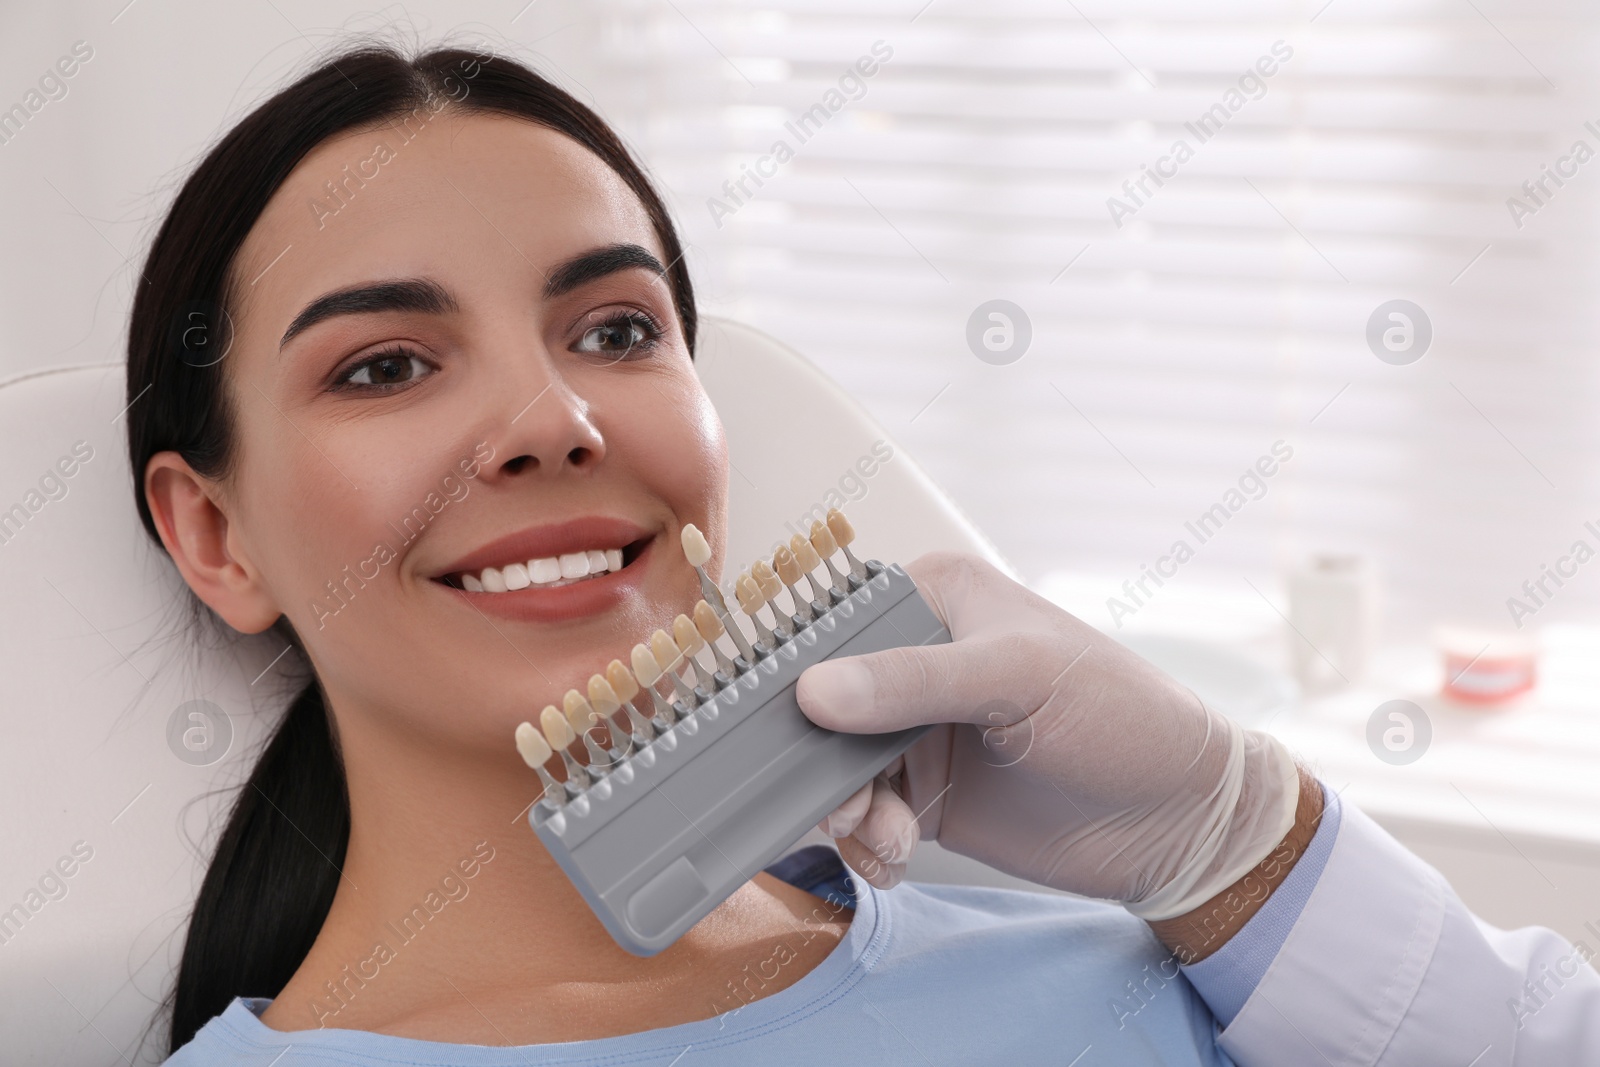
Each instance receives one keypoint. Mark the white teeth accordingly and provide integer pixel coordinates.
(550, 571)
(516, 576)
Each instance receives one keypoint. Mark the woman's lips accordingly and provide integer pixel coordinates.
(563, 603)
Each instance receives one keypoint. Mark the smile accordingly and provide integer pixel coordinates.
(547, 573)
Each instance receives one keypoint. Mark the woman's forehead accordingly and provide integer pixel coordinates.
(439, 194)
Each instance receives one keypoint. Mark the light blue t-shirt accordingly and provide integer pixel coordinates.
(926, 975)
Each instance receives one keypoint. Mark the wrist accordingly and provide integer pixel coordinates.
(1197, 934)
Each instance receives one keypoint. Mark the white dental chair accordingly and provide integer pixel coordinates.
(97, 662)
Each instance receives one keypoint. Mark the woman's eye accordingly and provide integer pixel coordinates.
(619, 336)
(387, 369)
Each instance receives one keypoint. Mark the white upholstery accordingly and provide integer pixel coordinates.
(96, 655)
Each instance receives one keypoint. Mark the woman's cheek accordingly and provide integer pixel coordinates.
(325, 541)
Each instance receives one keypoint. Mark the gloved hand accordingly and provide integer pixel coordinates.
(1061, 756)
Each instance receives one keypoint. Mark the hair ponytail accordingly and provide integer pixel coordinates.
(269, 887)
(275, 870)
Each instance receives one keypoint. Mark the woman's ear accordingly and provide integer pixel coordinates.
(196, 533)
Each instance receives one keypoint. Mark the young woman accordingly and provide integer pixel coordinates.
(415, 318)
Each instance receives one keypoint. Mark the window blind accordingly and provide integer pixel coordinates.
(1335, 157)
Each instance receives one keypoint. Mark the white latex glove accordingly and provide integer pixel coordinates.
(1061, 757)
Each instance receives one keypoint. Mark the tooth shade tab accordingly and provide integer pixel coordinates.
(665, 650)
(822, 540)
(840, 527)
(556, 728)
(602, 696)
(749, 595)
(622, 681)
(685, 636)
(804, 553)
(580, 716)
(706, 621)
(695, 546)
(645, 665)
(788, 570)
(532, 746)
(766, 579)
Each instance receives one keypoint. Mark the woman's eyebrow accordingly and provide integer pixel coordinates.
(597, 263)
(429, 297)
(405, 294)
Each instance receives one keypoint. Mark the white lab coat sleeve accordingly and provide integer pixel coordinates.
(1386, 967)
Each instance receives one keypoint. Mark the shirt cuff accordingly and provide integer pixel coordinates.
(1226, 978)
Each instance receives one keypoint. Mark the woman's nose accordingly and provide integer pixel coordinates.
(545, 425)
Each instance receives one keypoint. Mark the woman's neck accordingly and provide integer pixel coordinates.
(452, 923)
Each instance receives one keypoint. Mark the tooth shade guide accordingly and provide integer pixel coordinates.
(695, 546)
(583, 718)
(769, 587)
(556, 729)
(666, 652)
(531, 745)
(805, 553)
(645, 667)
(602, 695)
(535, 753)
(845, 534)
(748, 594)
(751, 603)
(710, 627)
(671, 657)
(822, 539)
(840, 527)
(621, 680)
(766, 579)
(559, 733)
(784, 563)
(745, 772)
(686, 637)
(706, 621)
(809, 561)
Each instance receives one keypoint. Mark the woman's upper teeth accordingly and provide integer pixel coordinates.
(553, 570)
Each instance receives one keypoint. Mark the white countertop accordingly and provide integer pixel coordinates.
(1529, 771)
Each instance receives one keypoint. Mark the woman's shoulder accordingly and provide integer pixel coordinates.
(967, 925)
(225, 1037)
(938, 917)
